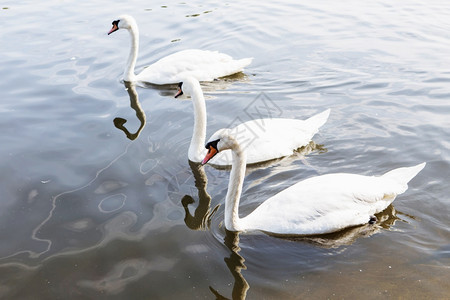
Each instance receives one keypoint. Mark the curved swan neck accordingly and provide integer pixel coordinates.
(197, 146)
(237, 174)
(128, 74)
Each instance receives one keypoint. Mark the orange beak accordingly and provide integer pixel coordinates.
(114, 28)
(179, 93)
(211, 152)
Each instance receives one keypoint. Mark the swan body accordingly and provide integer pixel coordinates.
(202, 64)
(265, 139)
(317, 205)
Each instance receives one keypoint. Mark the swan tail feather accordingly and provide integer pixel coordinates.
(405, 174)
(246, 61)
(318, 120)
(240, 64)
(231, 67)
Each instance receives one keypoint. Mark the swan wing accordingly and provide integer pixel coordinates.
(267, 139)
(324, 204)
(203, 65)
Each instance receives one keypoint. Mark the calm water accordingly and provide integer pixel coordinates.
(95, 208)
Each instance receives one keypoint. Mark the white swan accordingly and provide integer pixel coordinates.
(265, 139)
(317, 205)
(203, 65)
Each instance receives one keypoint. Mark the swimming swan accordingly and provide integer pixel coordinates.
(265, 139)
(203, 65)
(317, 205)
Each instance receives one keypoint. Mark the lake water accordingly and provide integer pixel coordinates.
(94, 208)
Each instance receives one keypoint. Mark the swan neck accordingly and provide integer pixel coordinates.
(237, 174)
(197, 146)
(132, 57)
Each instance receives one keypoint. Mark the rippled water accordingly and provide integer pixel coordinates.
(95, 208)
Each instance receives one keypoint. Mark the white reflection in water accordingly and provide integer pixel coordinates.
(108, 186)
(55, 202)
(125, 272)
(112, 203)
(80, 225)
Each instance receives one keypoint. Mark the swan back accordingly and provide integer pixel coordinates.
(329, 203)
(203, 65)
(271, 138)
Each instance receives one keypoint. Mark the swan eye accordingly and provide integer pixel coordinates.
(116, 23)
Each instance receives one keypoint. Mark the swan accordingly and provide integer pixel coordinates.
(266, 139)
(317, 205)
(203, 65)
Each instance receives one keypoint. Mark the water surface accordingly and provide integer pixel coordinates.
(93, 207)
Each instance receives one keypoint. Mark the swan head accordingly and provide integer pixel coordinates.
(123, 22)
(220, 141)
(187, 86)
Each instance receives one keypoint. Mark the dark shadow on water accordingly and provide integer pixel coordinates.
(235, 264)
(134, 104)
(201, 220)
(346, 237)
(202, 216)
(169, 90)
(165, 90)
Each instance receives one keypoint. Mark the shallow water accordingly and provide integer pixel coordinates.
(95, 208)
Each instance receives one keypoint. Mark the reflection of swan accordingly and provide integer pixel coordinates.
(235, 263)
(266, 139)
(317, 205)
(140, 114)
(203, 65)
(202, 216)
